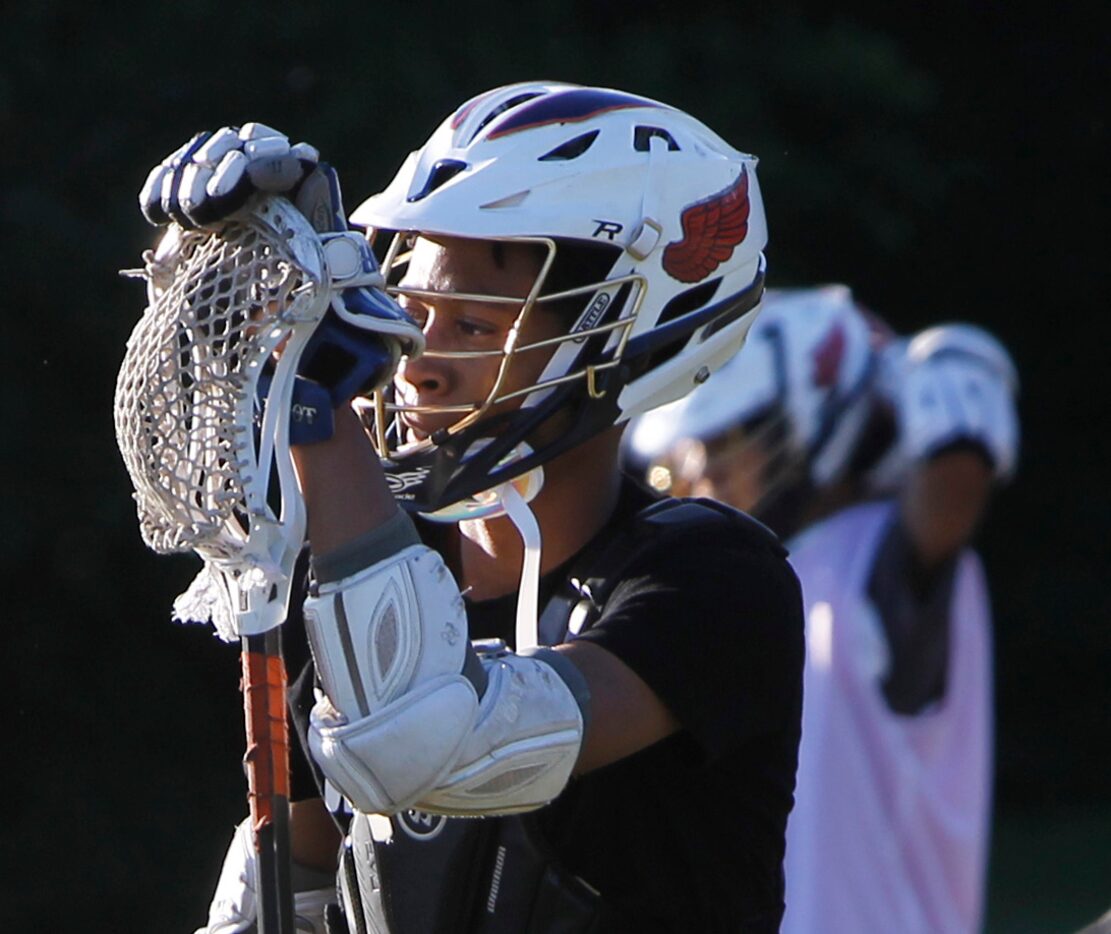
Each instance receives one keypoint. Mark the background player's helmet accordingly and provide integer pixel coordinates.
(951, 384)
(671, 221)
(801, 387)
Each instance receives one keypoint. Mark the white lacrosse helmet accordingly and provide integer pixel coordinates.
(950, 383)
(803, 378)
(564, 166)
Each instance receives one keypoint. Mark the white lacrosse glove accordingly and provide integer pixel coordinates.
(357, 345)
(206, 408)
(950, 384)
(213, 175)
(234, 907)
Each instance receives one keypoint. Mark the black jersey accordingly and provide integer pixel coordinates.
(688, 834)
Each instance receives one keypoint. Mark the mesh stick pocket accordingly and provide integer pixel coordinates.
(207, 457)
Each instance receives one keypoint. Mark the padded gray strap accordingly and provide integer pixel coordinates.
(379, 543)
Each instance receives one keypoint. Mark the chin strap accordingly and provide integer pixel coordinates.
(529, 594)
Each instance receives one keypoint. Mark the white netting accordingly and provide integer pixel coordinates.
(220, 303)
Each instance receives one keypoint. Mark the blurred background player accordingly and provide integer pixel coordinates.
(876, 457)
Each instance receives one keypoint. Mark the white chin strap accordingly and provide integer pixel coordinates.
(529, 594)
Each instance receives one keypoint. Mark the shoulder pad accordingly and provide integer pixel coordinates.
(674, 516)
(597, 571)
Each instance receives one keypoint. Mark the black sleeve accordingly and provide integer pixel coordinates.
(305, 778)
(714, 625)
(913, 606)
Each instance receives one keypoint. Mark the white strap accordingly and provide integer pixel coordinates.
(529, 596)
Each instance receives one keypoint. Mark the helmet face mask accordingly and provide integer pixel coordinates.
(541, 299)
(503, 421)
(648, 231)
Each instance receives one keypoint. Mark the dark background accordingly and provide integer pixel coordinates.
(947, 161)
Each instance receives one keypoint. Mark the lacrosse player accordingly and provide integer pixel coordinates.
(502, 626)
(877, 458)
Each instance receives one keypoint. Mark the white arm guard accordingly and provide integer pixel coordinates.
(234, 907)
(412, 717)
(955, 383)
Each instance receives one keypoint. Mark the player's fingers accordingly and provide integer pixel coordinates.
(228, 175)
(192, 192)
(255, 130)
(155, 194)
(171, 203)
(223, 141)
(150, 195)
(306, 153)
(226, 190)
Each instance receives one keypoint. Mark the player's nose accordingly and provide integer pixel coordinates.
(428, 375)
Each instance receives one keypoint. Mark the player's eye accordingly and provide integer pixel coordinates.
(474, 327)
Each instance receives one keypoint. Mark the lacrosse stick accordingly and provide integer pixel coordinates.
(209, 460)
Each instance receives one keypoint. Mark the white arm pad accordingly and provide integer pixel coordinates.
(412, 718)
(387, 629)
(957, 383)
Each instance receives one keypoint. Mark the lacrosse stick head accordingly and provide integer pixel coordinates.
(207, 455)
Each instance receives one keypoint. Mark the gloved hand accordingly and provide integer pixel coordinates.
(356, 346)
(234, 907)
(212, 176)
(950, 384)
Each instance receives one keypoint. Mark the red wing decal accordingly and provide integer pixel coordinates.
(711, 231)
(828, 356)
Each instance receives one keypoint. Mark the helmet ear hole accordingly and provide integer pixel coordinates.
(576, 265)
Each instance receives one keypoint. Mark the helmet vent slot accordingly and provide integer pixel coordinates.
(502, 108)
(643, 136)
(572, 149)
(731, 313)
(690, 300)
(443, 171)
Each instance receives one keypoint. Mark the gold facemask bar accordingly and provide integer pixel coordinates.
(471, 413)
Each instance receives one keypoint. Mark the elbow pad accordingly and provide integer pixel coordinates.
(411, 716)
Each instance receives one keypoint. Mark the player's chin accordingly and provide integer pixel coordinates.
(420, 426)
